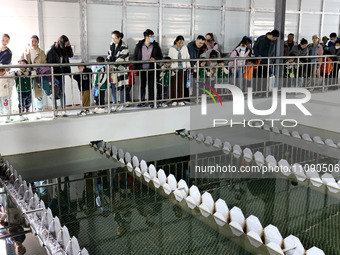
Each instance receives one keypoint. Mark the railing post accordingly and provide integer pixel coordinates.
(155, 85)
(108, 87)
(53, 96)
(268, 82)
(197, 80)
(324, 74)
(235, 71)
(297, 73)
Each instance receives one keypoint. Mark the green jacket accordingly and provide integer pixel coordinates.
(23, 83)
(222, 72)
(165, 76)
(203, 73)
(101, 78)
(290, 70)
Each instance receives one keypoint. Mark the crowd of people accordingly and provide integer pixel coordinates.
(174, 79)
(314, 68)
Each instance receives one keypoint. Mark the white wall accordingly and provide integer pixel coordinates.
(19, 19)
(26, 137)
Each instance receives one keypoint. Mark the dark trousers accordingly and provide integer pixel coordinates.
(100, 98)
(127, 93)
(147, 78)
(25, 99)
(60, 94)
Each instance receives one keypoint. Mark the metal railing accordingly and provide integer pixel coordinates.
(160, 85)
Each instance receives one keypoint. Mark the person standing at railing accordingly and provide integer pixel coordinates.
(335, 50)
(34, 55)
(5, 52)
(6, 85)
(59, 53)
(24, 88)
(290, 72)
(196, 48)
(100, 85)
(84, 80)
(251, 65)
(332, 39)
(314, 49)
(118, 52)
(165, 81)
(265, 46)
(326, 68)
(239, 52)
(178, 82)
(147, 50)
(301, 50)
(324, 42)
(210, 43)
(288, 44)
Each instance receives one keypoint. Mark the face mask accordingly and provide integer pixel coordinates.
(243, 48)
(152, 39)
(332, 41)
(337, 47)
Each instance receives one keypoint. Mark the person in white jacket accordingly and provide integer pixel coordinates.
(6, 85)
(179, 51)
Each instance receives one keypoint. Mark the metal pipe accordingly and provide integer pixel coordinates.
(155, 86)
(192, 33)
(33, 211)
(83, 30)
(41, 24)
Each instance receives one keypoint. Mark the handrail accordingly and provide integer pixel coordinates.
(162, 61)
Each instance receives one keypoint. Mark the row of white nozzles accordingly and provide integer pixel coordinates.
(305, 136)
(285, 168)
(48, 228)
(252, 227)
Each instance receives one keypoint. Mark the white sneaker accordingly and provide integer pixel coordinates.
(164, 105)
(95, 110)
(83, 113)
(63, 114)
(100, 110)
(174, 104)
(120, 108)
(114, 108)
(181, 103)
(22, 118)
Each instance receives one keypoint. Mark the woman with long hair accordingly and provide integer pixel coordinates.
(178, 84)
(119, 52)
(34, 55)
(59, 53)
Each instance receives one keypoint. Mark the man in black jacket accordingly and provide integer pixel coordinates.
(265, 46)
(147, 50)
